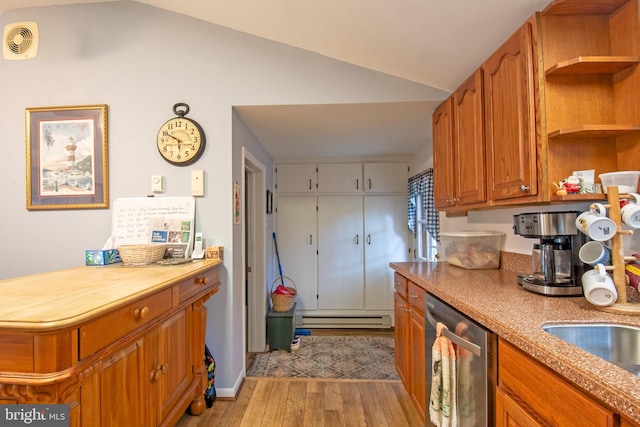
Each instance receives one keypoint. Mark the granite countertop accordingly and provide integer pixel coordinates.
(494, 299)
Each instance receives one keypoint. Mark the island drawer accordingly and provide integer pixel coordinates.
(116, 324)
(416, 297)
(191, 287)
(400, 284)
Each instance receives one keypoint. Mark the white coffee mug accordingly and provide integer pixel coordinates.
(593, 253)
(595, 224)
(630, 213)
(598, 287)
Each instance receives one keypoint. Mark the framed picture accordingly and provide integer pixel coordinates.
(67, 157)
(269, 202)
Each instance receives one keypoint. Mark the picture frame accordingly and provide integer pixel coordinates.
(67, 157)
(269, 202)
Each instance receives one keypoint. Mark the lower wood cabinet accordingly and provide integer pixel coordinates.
(410, 339)
(530, 394)
(145, 369)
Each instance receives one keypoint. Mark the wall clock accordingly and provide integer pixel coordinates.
(180, 140)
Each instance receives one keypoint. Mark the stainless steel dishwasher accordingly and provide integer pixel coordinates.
(476, 349)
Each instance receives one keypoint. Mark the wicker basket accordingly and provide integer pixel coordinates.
(141, 254)
(283, 303)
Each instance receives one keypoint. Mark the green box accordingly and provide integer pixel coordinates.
(281, 328)
(102, 257)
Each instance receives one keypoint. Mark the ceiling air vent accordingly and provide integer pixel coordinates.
(20, 40)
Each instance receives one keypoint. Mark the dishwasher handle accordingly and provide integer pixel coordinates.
(466, 344)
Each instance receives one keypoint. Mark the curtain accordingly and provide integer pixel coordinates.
(421, 185)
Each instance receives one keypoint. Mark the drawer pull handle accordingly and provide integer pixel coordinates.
(141, 313)
(159, 372)
(201, 280)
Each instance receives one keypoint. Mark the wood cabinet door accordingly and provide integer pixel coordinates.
(468, 138)
(510, 118)
(172, 373)
(510, 414)
(340, 253)
(401, 318)
(296, 178)
(125, 397)
(340, 177)
(386, 240)
(297, 246)
(443, 173)
(418, 375)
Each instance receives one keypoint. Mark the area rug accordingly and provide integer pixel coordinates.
(344, 357)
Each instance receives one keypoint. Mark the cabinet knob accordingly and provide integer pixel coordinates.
(524, 188)
(201, 280)
(141, 313)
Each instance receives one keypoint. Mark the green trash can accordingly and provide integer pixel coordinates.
(281, 328)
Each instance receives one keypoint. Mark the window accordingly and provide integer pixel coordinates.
(423, 218)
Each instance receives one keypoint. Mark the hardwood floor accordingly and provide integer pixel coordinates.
(313, 402)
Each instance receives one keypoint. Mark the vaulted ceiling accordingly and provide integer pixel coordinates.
(437, 43)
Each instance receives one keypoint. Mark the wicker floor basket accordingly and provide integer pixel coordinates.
(283, 302)
(141, 254)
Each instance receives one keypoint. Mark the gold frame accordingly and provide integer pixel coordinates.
(55, 178)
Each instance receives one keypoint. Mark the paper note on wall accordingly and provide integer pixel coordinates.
(141, 220)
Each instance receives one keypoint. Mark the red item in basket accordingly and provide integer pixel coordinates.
(282, 290)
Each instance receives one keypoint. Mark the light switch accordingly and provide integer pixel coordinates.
(197, 183)
(157, 183)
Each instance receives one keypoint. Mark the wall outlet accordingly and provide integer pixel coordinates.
(197, 183)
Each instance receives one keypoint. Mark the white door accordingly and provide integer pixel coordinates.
(386, 240)
(340, 253)
(296, 238)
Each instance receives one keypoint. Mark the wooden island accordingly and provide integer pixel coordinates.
(121, 345)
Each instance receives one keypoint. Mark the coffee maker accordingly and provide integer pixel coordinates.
(556, 266)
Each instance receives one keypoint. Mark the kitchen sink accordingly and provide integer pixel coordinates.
(618, 344)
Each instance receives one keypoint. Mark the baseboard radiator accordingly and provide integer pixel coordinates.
(317, 321)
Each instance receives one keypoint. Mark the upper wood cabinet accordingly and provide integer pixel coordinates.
(296, 178)
(444, 177)
(510, 119)
(459, 148)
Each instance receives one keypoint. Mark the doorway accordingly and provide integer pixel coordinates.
(254, 254)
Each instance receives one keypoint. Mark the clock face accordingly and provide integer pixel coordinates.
(181, 141)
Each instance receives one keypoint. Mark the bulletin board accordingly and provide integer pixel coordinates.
(168, 220)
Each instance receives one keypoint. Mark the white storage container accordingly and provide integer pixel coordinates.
(474, 250)
(627, 181)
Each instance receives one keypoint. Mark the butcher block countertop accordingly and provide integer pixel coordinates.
(494, 299)
(58, 299)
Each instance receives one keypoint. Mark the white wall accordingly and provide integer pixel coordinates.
(140, 61)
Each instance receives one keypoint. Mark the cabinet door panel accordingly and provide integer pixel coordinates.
(401, 317)
(297, 243)
(510, 118)
(418, 375)
(386, 240)
(339, 177)
(468, 134)
(124, 387)
(296, 178)
(443, 175)
(340, 253)
(172, 372)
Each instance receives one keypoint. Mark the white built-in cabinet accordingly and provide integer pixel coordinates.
(296, 225)
(296, 178)
(337, 243)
